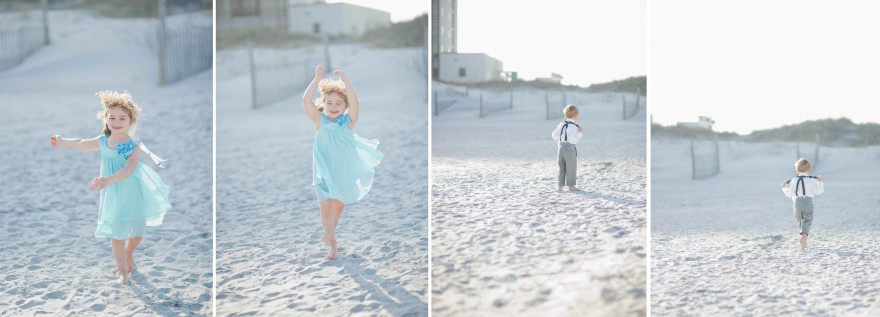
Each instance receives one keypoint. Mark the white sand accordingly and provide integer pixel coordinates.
(505, 243)
(728, 245)
(50, 261)
(270, 258)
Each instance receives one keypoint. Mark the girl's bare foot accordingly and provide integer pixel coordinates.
(123, 279)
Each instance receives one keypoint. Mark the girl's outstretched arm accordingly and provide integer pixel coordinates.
(352, 98)
(130, 166)
(308, 97)
(75, 143)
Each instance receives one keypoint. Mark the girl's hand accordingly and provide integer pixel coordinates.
(54, 140)
(339, 73)
(319, 72)
(98, 183)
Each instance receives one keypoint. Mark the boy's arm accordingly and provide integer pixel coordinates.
(353, 104)
(555, 133)
(308, 103)
(820, 186)
(75, 143)
(786, 189)
(575, 136)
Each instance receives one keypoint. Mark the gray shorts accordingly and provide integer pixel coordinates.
(803, 213)
(567, 160)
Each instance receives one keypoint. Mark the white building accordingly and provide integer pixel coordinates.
(554, 78)
(335, 19)
(470, 68)
(705, 123)
(236, 15)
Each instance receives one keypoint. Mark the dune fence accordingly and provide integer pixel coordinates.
(188, 50)
(21, 36)
(631, 104)
(809, 151)
(494, 101)
(705, 159)
(447, 98)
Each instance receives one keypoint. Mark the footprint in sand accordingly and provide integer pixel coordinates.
(97, 307)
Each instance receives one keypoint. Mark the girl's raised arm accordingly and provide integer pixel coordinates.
(130, 166)
(352, 98)
(308, 97)
(76, 143)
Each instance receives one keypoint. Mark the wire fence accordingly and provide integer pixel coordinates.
(806, 152)
(554, 102)
(22, 34)
(705, 159)
(494, 101)
(270, 83)
(445, 100)
(17, 44)
(631, 104)
(188, 51)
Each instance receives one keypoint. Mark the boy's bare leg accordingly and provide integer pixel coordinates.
(803, 241)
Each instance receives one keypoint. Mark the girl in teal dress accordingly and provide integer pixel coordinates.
(133, 195)
(342, 162)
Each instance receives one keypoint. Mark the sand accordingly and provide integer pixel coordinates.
(505, 243)
(728, 245)
(50, 261)
(270, 260)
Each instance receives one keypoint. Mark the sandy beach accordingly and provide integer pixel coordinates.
(270, 258)
(504, 242)
(728, 245)
(50, 261)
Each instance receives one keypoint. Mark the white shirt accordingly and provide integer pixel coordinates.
(572, 132)
(813, 187)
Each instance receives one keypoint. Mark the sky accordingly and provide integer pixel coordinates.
(753, 65)
(401, 10)
(586, 41)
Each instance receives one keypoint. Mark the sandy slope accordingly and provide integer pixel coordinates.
(50, 262)
(270, 260)
(728, 244)
(504, 242)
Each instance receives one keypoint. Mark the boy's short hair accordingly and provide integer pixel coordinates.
(570, 111)
(802, 165)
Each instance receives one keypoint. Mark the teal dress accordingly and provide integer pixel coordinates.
(343, 163)
(129, 206)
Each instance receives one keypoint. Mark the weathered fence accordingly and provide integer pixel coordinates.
(494, 101)
(270, 83)
(705, 159)
(188, 51)
(442, 100)
(805, 152)
(631, 104)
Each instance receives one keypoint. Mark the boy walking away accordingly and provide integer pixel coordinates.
(567, 134)
(801, 190)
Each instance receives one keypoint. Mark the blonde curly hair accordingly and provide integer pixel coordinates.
(111, 99)
(328, 86)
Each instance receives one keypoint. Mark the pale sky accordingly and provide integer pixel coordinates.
(586, 41)
(755, 64)
(401, 10)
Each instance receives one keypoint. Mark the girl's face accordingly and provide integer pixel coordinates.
(334, 105)
(118, 120)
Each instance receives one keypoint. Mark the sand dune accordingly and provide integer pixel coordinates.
(728, 245)
(504, 242)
